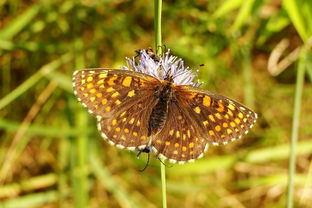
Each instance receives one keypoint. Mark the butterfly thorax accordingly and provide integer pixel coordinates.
(159, 113)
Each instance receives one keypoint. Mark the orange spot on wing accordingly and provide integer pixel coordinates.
(110, 89)
(191, 145)
(237, 120)
(131, 93)
(104, 101)
(111, 80)
(127, 81)
(221, 106)
(206, 101)
(232, 107)
(218, 128)
(197, 110)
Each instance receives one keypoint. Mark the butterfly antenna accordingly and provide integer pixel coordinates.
(164, 47)
(148, 159)
(138, 53)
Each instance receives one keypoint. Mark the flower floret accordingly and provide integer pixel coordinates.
(166, 66)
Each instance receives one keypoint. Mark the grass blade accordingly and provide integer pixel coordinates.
(295, 130)
(20, 22)
(31, 81)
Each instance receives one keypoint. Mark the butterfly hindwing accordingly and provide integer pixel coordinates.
(179, 141)
(128, 128)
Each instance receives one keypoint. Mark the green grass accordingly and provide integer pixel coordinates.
(51, 154)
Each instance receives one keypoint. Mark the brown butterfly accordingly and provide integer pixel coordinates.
(159, 109)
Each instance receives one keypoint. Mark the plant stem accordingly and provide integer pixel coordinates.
(163, 185)
(294, 132)
(158, 48)
(157, 26)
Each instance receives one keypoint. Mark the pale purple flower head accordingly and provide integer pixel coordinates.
(167, 66)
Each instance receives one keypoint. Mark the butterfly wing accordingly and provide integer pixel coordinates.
(121, 100)
(179, 140)
(108, 91)
(128, 128)
(217, 118)
(197, 118)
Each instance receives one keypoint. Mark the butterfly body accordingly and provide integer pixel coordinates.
(160, 110)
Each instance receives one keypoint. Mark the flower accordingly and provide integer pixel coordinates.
(163, 67)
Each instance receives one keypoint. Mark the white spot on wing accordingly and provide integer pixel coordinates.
(154, 150)
(200, 156)
(120, 146)
(172, 160)
(131, 148)
(161, 156)
(104, 136)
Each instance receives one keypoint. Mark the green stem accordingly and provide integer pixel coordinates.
(247, 72)
(295, 127)
(158, 48)
(163, 185)
(157, 26)
(80, 176)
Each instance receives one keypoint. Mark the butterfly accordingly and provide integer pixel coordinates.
(147, 111)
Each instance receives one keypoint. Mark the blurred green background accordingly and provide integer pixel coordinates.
(51, 154)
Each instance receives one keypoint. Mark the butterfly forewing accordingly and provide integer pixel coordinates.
(219, 119)
(179, 140)
(108, 91)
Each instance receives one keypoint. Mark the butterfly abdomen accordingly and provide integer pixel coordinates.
(159, 113)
